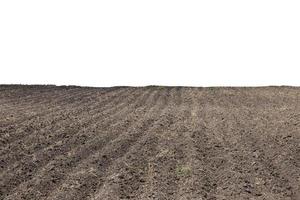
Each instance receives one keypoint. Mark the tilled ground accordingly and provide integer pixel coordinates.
(149, 143)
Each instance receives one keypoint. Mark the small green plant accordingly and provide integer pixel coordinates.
(183, 170)
(161, 87)
(213, 89)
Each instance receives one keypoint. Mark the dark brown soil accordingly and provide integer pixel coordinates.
(149, 143)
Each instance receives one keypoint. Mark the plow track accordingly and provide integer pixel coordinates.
(149, 143)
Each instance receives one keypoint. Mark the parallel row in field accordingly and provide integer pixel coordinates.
(149, 143)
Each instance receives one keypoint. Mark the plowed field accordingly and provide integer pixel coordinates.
(149, 143)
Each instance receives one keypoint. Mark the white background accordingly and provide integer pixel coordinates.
(157, 42)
